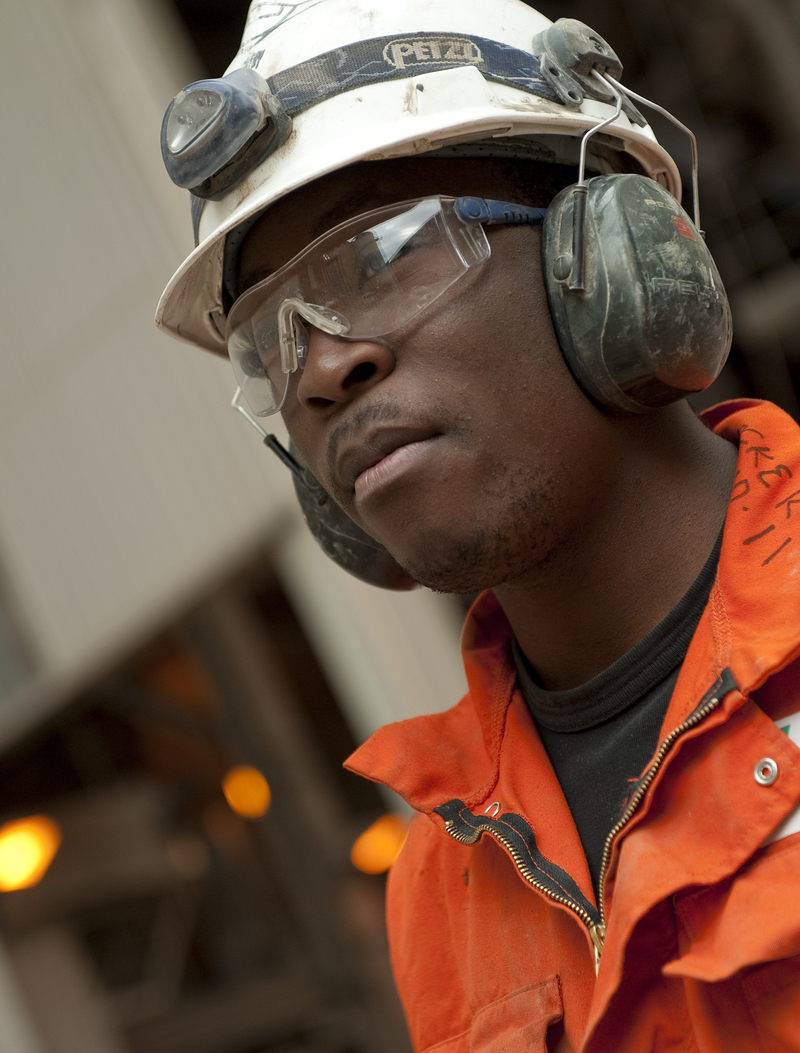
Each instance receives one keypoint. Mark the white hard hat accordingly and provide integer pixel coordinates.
(342, 81)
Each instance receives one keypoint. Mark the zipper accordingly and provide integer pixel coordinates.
(527, 871)
(709, 702)
(519, 840)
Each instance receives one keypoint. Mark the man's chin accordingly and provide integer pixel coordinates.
(474, 552)
(470, 566)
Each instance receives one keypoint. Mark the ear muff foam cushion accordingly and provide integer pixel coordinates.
(343, 541)
(652, 323)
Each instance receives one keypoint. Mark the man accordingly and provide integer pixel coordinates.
(600, 861)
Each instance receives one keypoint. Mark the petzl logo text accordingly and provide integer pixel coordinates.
(419, 51)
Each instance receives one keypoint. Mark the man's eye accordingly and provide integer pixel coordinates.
(374, 267)
(370, 264)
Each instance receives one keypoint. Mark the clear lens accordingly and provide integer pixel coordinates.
(262, 395)
(367, 277)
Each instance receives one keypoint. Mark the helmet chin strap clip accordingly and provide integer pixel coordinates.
(301, 474)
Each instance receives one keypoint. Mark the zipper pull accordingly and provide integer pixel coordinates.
(598, 934)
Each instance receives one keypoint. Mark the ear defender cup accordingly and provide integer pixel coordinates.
(650, 322)
(342, 540)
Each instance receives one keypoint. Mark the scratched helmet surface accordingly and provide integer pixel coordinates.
(343, 81)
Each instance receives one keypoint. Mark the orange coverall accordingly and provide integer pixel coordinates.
(497, 941)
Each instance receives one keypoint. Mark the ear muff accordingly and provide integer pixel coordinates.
(648, 321)
(643, 322)
(342, 540)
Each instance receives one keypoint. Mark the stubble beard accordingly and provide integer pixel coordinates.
(486, 555)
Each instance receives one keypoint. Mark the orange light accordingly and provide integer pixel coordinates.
(27, 847)
(378, 847)
(247, 791)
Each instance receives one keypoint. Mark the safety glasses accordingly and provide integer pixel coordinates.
(365, 278)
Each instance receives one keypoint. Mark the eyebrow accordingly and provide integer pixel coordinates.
(346, 208)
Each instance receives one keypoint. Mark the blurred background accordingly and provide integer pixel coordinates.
(184, 865)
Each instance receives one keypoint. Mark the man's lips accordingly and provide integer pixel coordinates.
(365, 452)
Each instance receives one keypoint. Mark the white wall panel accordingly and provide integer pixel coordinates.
(127, 484)
(389, 655)
(126, 481)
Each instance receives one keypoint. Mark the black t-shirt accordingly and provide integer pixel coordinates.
(601, 735)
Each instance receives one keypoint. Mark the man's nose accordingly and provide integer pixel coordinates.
(337, 369)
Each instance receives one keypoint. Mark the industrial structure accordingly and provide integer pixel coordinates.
(164, 616)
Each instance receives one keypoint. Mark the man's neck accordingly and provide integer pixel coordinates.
(601, 593)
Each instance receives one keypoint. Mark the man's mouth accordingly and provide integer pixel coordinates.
(380, 455)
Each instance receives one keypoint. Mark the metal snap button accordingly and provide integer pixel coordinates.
(766, 771)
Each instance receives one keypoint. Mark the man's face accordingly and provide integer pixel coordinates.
(461, 441)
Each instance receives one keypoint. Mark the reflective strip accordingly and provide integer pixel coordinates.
(790, 726)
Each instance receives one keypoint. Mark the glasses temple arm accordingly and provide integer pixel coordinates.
(496, 213)
(284, 456)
